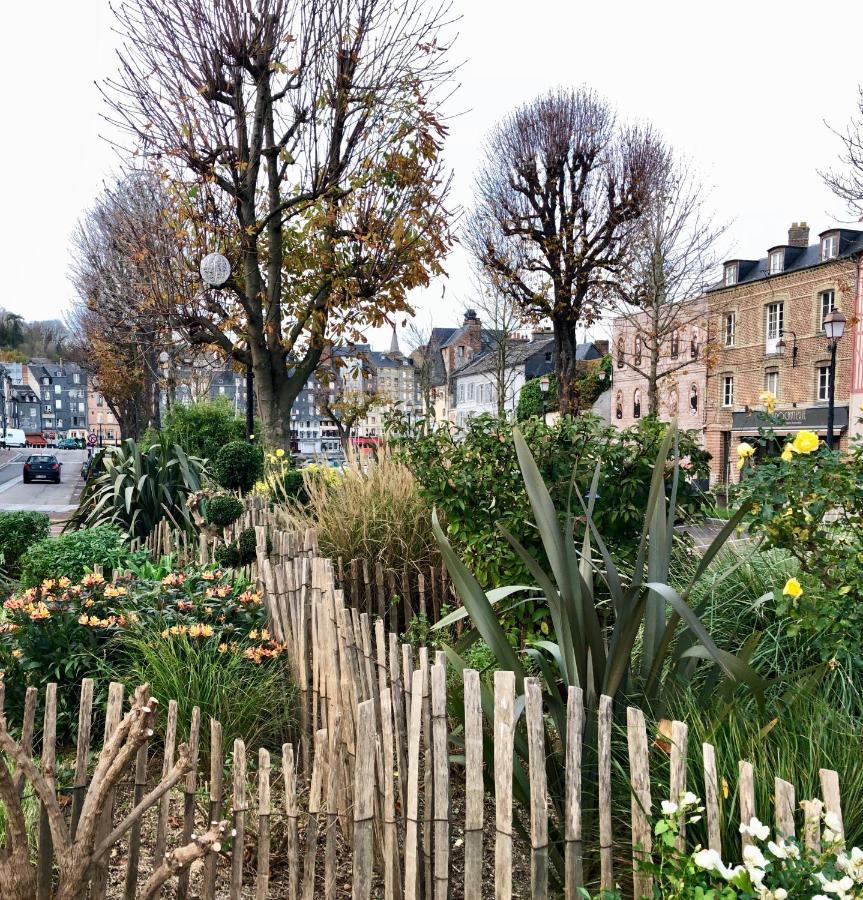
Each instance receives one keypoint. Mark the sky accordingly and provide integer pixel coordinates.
(746, 91)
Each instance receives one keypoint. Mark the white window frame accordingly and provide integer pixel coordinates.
(829, 247)
(822, 383)
(774, 325)
(727, 391)
(460, 394)
(777, 262)
(730, 277)
(730, 328)
(830, 296)
(470, 390)
(771, 381)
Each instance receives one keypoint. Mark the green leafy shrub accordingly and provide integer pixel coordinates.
(247, 546)
(72, 554)
(137, 486)
(18, 531)
(239, 465)
(228, 555)
(223, 510)
(472, 477)
(202, 429)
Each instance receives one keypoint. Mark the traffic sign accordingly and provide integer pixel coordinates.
(215, 269)
(91, 439)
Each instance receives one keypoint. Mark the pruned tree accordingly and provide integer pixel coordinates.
(847, 182)
(502, 317)
(303, 140)
(671, 254)
(559, 190)
(76, 856)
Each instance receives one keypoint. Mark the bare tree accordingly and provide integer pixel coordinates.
(502, 317)
(673, 250)
(559, 190)
(425, 356)
(344, 398)
(303, 140)
(847, 183)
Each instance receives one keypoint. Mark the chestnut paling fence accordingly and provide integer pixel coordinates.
(368, 793)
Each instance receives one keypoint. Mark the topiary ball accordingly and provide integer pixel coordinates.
(228, 555)
(239, 465)
(223, 510)
(247, 545)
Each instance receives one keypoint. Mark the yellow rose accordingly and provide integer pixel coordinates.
(741, 463)
(768, 398)
(745, 450)
(805, 442)
(792, 589)
(788, 453)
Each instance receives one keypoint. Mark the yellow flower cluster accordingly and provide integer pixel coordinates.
(197, 630)
(114, 591)
(768, 398)
(221, 591)
(249, 598)
(96, 622)
(804, 442)
(744, 451)
(92, 579)
(37, 611)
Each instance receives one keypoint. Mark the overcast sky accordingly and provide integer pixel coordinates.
(743, 89)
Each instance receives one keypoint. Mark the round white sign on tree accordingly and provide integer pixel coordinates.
(215, 269)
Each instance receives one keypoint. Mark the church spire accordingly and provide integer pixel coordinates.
(394, 343)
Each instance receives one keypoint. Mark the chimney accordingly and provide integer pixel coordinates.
(798, 235)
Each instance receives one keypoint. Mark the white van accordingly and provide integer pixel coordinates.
(13, 437)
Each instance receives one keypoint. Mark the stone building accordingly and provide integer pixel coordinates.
(62, 390)
(767, 319)
(682, 365)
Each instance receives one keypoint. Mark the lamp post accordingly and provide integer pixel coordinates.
(834, 328)
(543, 391)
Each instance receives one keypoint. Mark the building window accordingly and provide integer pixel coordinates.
(636, 404)
(638, 349)
(675, 343)
(693, 343)
(57, 389)
(620, 353)
(548, 357)
(693, 400)
(470, 389)
(730, 274)
(771, 382)
(76, 378)
(824, 383)
(58, 404)
(98, 399)
(728, 390)
(774, 326)
(827, 305)
(618, 405)
(777, 261)
(829, 247)
(729, 327)
(460, 351)
(461, 393)
(46, 381)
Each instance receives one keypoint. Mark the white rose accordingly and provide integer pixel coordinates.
(753, 857)
(755, 829)
(779, 851)
(668, 808)
(780, 893)
(689, 799)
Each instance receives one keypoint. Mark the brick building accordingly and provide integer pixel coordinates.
(682, 357)
(766, 320)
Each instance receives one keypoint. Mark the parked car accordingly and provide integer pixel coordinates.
(42, 466)
(13, 437)
(68, 444)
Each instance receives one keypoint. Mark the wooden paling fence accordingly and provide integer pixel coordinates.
(368, 793)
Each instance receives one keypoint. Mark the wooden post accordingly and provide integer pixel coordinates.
(113, 715)
(440, 761)
(504, 728)
(412, 812)
(240, 807)
(812, 825)
(167, 763)
(135, 834)
(747, 798)
(292, 813)
(49, 758)
(606, 839)
(574, 871)
(189, 788)
(262, 885)
(364, 802)
(208, 889)
(379, 584)
(830, 795)
(332, 808)
(538, 791)
(27, 728)
(711, 798)
(82, 751)
(679, 750)
(314, 810)
(474, 791)
(783, 804)
(639, 776)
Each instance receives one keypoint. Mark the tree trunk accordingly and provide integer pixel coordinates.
(653, 383)
(17, 875)
(565, 370)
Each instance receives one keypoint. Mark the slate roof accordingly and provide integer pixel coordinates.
(796, 259)
(520, 352)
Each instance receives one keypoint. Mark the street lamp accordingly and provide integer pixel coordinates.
(544, 383)
(834, 328)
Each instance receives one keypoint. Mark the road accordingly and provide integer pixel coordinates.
(55, 499)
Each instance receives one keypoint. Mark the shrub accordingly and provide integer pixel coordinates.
(202, 429)
(137, 486)
(223, 510)
(74, 553)
(18, 531)
(239, 465)
(372, 511)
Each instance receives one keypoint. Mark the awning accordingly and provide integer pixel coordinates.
(804, 418)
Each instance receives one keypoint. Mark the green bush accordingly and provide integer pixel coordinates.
(223, 510)
(247, 545)
(202, 429)
(239, 465)
(18, 531)
(74, 553)
(228, 555)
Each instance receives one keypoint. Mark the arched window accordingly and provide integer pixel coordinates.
(620, 353)
(618, 405)
(638, 349)
(636, 404)
(693, 344)
(693, 400)
(675, 343)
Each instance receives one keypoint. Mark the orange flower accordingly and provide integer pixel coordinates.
(174, 579)
(112, 591)
(93, 579)
(64, 582)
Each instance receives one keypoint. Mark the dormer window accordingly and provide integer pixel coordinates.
(730, 274)
(777, 261)
(829, 247)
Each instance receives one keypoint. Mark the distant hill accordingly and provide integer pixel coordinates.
(20, 340)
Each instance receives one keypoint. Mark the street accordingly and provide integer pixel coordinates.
(54, 499)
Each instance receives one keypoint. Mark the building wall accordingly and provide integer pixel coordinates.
(475, 394)
(749, 359)
(688, 379)
(100, 420)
